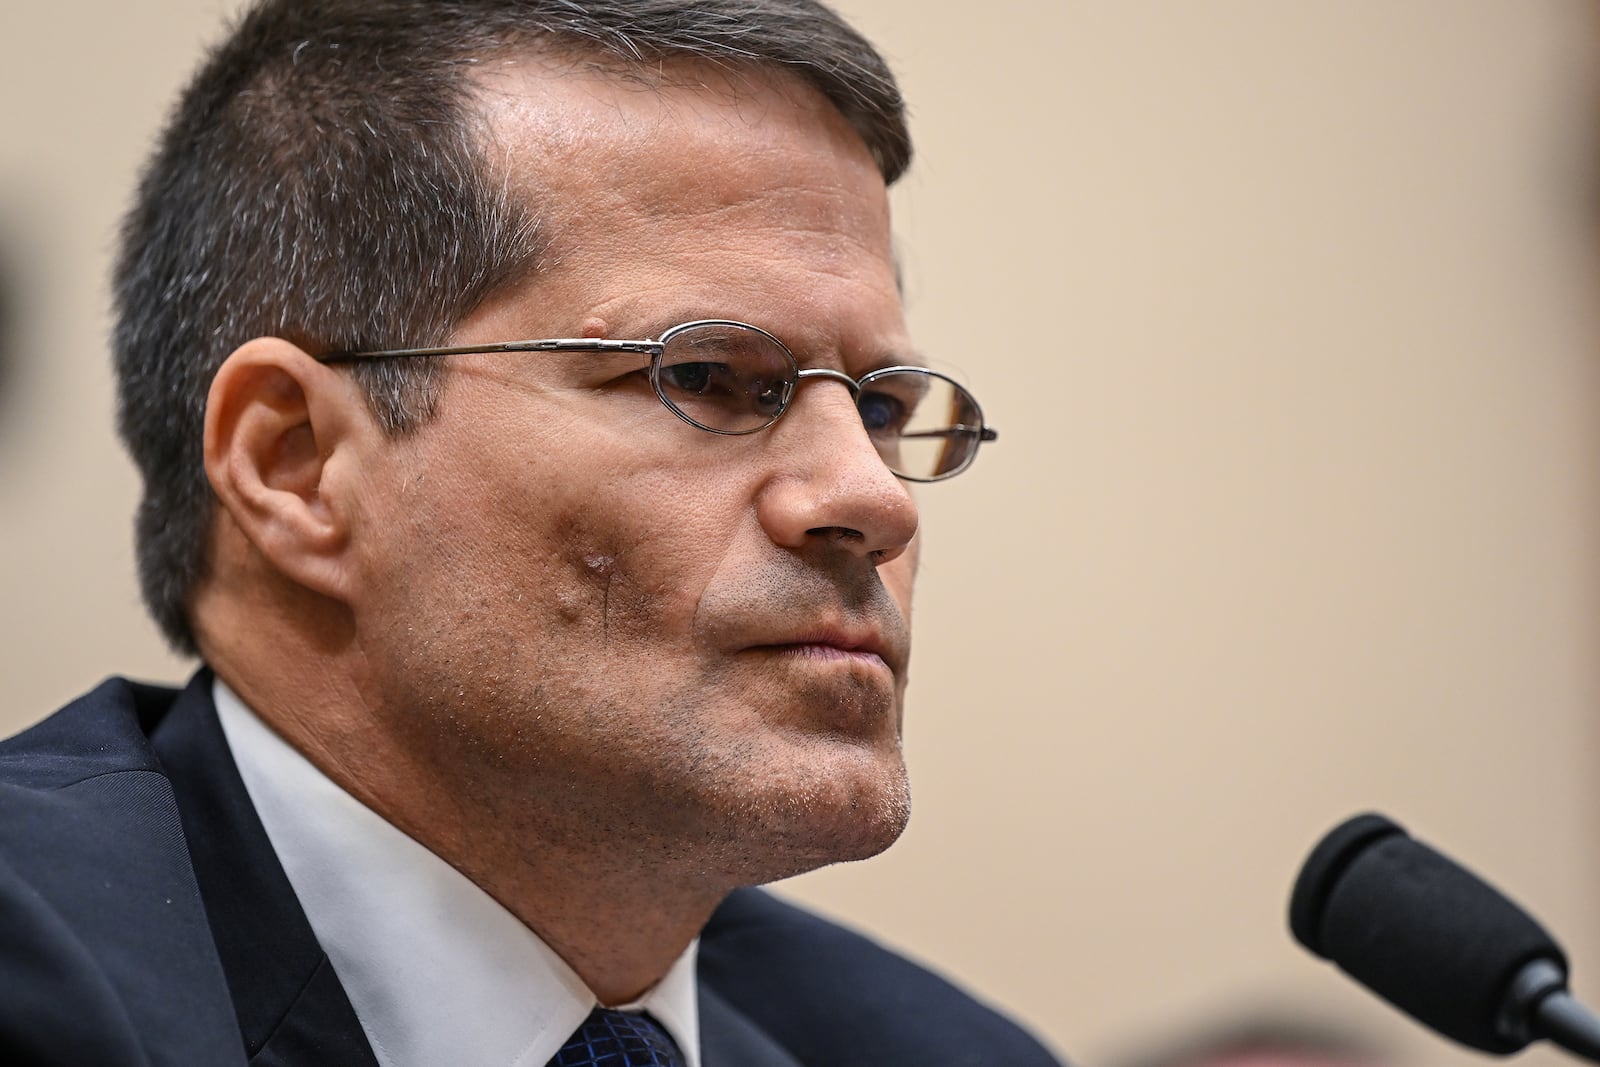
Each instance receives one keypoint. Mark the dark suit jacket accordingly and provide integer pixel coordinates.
(145, 920)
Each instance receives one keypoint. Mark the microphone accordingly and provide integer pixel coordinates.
(1436, 941)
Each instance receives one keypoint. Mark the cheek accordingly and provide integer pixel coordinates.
(625, 560)
(609, 537)
(614, 574)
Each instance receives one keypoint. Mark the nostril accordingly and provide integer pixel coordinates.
(837, 533)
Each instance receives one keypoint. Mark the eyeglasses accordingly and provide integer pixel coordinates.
(733, 378)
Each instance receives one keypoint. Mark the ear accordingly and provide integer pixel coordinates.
(276, 423)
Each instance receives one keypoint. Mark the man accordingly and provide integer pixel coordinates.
(525, 409)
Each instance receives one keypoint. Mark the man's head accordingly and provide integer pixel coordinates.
(324, 179)
(509, 597)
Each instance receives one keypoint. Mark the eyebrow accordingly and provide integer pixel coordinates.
(913, 358)
(659, 325)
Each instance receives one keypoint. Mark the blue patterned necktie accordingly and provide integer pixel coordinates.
(618, 1039)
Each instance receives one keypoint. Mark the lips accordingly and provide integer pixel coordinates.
(840, 644)
(865, 642)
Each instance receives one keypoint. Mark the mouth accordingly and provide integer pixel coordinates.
(860, 649)
(835, 675)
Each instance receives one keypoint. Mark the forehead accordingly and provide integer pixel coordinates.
(749, 162)
(549, 107)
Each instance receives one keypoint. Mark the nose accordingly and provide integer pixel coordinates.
(829, 486)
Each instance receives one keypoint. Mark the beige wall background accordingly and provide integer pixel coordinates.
(1286, 313)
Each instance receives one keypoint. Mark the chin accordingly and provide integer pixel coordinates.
(869, 833)
(849, 814)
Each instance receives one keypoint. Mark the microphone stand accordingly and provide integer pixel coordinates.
(1539, 1006)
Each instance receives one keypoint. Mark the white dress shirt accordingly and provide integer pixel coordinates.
(437, 971)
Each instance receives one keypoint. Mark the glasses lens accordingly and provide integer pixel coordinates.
(926, 426)
(724, 376)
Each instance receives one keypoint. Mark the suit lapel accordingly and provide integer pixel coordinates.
(291, 1008)
(104, 906)
(729, 1039)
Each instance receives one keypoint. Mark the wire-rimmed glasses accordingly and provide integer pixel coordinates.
(732, 378)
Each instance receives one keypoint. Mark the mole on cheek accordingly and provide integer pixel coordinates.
(592, 590)
(600, 567)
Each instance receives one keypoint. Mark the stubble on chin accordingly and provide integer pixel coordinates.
(793, 798)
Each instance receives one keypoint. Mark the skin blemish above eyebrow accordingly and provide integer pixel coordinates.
(594, 327)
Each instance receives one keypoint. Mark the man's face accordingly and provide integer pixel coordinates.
(595, 618)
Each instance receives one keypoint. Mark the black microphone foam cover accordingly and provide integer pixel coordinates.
(1430, 937)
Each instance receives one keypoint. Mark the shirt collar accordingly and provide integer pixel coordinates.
(436, 969)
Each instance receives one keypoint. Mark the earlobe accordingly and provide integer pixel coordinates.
(275, 421)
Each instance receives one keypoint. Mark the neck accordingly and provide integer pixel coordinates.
(619, 914)
(617, 933)
(618, 911)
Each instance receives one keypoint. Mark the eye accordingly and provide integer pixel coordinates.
(882, 413)
(768, 397)
(724, 376)
(691, 378)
